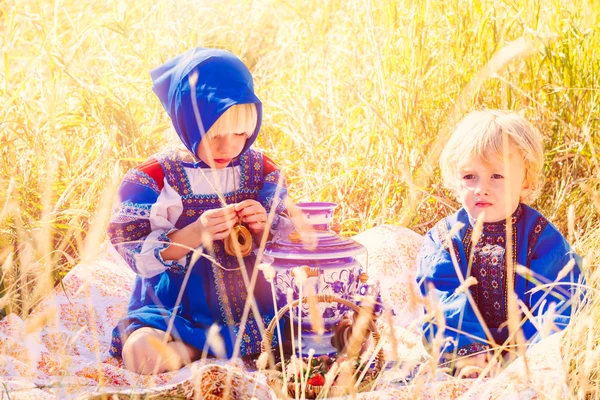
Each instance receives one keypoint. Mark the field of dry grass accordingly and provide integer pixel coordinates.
(359, 96)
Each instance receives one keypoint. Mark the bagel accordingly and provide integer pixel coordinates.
(242, 236)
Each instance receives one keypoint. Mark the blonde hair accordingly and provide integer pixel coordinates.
(479, 135)
(237, 119)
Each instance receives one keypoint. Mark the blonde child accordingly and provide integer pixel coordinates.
(493, 164)
(170, 204)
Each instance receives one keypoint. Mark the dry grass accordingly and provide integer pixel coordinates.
(358, 97)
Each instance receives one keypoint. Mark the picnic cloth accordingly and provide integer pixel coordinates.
(61, 349)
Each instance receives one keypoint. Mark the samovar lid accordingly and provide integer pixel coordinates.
(317, 243)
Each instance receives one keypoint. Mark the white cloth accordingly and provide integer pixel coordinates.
(71, 330)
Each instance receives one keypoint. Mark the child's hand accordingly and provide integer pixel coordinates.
(471, 366)
(253, 214)
(216, 224)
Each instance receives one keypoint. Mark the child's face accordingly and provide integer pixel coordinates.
(219, 150)
(494, 188)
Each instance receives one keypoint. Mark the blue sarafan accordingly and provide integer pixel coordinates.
(170, 191)
(536, 244)
(220, 80)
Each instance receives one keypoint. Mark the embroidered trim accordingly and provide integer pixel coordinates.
(235, 291)
(128, 251)
(152, 167)
(127, 211)
(164, 242)
(251, 339)
(245, 165)
(443, 232)
(273, 177)
(490, 269)
(249, 181)
(224, 303)
(471, 348)
(129, 231)
(141, 178)
(116, 344)
(257, 172)
(539, 226)
(448, 356)
(500, 226)
(214, 199)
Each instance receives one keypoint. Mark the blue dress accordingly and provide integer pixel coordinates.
(195, 88)
(212, 294)
(536, 244)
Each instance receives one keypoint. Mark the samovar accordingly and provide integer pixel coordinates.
(328, 264)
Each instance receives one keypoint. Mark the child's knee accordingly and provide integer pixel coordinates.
(140, 353)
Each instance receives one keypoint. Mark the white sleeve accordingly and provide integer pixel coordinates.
(163, 216)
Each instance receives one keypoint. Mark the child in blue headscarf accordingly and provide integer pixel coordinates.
(170, 204)
(493, 163)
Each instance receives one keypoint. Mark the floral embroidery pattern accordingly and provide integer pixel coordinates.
(489, 268)
(171, 264)
(472, 348)
(251, 338)
(127, 237)
(141, 178)
(127, 212)
(174, 173)
(540, 225)
(129, 231)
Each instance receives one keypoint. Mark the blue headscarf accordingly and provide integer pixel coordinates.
(223, 81)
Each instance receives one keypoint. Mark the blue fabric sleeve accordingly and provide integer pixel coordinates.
(269, 190)
(435, 267)
(129, 224)
(550, 255)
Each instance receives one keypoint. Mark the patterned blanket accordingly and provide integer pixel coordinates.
(61, 350)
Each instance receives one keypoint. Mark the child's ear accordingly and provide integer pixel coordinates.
(525, 189)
